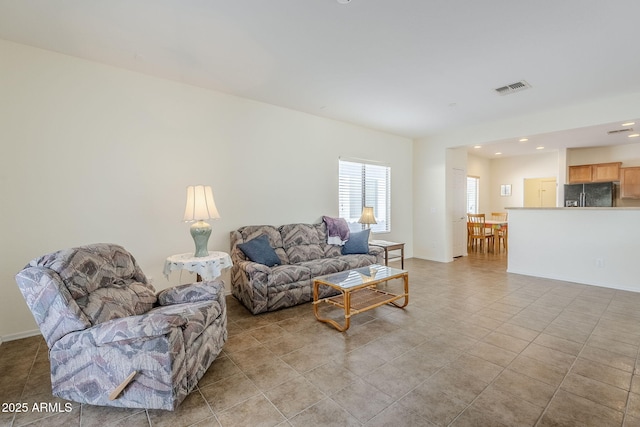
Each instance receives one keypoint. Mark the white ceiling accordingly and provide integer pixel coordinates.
(408, 67)
(592, 136)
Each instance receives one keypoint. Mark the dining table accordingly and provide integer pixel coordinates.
(497, 225)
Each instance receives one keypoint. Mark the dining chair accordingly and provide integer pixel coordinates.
(501, 233)
(477, 233)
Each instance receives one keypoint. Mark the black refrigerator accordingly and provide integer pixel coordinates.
(594, 194)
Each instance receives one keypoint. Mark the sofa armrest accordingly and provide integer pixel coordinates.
(123, 330)
(378, 252)
(249, 282)
(191, 292)
(254, 268)
(375, 250)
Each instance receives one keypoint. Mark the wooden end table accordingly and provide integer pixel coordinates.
(388, 247)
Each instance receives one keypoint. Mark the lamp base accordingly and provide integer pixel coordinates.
(200, 231)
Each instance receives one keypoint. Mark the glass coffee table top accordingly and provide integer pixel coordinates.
(360, 277)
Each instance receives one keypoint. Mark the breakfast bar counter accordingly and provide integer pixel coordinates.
(594, 246)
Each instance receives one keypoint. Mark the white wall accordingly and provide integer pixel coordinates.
(628, 154)
(514, 170)
(430, 241)
(92, 153)
(594, 246)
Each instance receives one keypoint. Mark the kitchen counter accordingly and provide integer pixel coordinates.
(593, 246)
(578, 208)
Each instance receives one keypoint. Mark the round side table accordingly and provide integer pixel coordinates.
(206, 267)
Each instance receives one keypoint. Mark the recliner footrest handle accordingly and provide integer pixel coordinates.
(114, 394)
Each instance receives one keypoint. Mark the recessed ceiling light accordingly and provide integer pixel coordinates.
(540, 148)
(524, 139)
(634, 135)
(498, 153)
(628, 124)
(477, 146)
(344, 1)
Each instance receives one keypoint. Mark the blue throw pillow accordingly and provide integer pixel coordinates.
(258, 250)
(358, 243)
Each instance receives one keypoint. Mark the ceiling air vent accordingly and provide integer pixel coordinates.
(513, 87)
(613, 132)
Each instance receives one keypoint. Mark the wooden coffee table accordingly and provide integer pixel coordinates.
(359, 291)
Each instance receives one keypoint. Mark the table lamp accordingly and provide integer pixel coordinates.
(200, 206)
(367, 217)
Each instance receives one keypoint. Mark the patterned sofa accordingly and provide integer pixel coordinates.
(304, 254)
(102, 321)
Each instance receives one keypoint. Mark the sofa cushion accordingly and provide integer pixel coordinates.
(358, 243)
(359, 260)
(288, 274)
(320, 267)
(304, 253)
(299, 234)
(258, 250)
(301, 242)
(332, 251)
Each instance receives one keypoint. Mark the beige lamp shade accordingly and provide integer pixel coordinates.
(367, 216)
(200, 204)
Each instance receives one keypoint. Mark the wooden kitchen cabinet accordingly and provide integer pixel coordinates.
(582, 173)
(600, 172)
(630, 183)
(604, 172)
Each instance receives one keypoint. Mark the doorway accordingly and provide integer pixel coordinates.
(459, 213)
(540, 193)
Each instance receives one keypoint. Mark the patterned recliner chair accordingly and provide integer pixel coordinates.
(104, 324)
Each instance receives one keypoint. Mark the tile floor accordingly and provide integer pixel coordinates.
(475, 346)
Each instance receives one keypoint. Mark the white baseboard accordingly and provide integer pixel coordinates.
(20, 335)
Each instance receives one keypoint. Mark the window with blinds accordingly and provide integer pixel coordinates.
(472, 194)
(364, 184)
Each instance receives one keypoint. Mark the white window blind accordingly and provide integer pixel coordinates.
(364, 184)
(472, 194)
